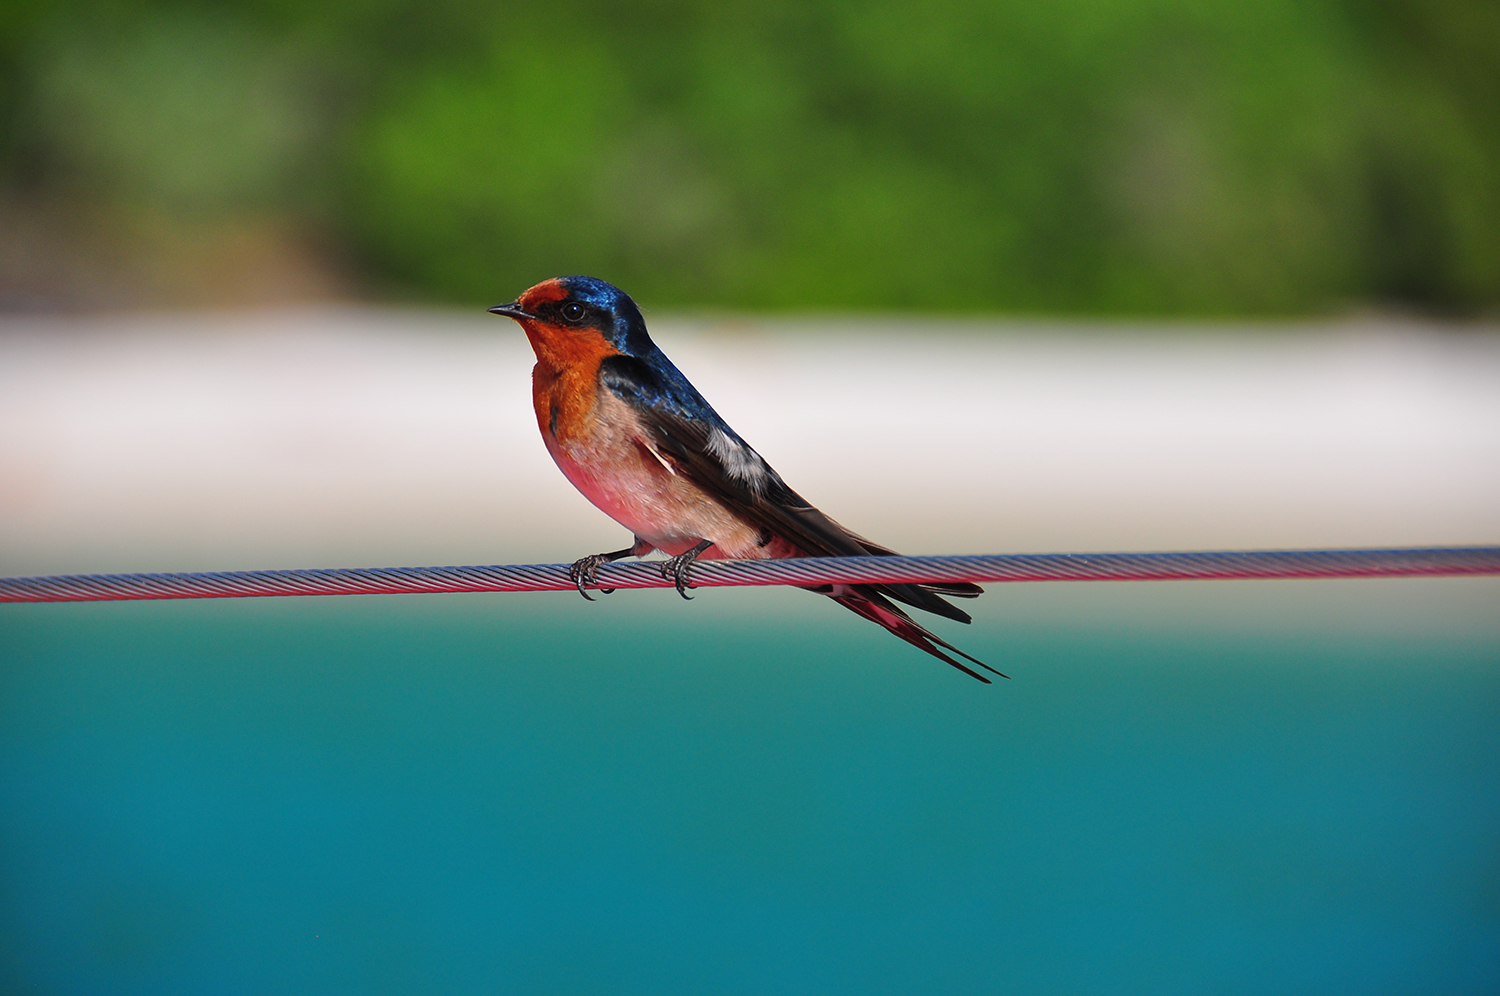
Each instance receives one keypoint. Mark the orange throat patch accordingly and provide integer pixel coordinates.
(565, 381)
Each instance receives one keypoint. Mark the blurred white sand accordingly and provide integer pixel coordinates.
(366, 437)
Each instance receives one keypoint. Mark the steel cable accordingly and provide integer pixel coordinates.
(1199, 566)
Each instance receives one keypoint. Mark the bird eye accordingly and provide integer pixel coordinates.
(573, 311)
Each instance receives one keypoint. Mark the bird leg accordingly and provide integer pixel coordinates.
(585, 571)
(676, 568)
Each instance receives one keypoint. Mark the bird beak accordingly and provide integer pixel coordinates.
(512, 310)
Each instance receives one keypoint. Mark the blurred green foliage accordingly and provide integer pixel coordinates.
(1115, 156)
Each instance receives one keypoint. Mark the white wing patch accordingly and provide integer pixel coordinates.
(740, 461)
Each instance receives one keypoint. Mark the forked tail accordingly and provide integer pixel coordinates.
(864, 600)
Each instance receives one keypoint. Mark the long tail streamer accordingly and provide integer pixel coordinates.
(1202, 566)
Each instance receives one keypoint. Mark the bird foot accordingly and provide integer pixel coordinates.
(585, 573)
(678, 569)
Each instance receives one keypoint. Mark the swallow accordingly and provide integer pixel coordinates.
(638, 440)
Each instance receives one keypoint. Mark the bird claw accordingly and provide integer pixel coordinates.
(678, 569)
(585, 574)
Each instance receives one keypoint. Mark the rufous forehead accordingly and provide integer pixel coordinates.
(547, 290)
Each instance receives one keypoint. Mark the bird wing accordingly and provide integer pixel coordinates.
(702, 447)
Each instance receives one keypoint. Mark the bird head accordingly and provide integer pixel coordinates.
(577, 310)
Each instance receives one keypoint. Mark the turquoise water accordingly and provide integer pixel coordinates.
(1187, 788)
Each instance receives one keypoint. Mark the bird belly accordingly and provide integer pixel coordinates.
(614, 466)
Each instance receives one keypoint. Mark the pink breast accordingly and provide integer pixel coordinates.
(627, 489)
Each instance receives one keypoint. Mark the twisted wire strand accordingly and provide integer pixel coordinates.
(1192, 566)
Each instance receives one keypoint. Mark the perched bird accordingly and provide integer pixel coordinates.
(639, 441)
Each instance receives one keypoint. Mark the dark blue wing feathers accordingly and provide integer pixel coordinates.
(682, 422)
